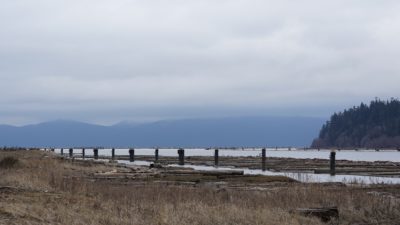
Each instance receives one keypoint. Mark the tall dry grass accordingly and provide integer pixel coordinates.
(54, 191)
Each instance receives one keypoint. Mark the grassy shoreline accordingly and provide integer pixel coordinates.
(41, 188)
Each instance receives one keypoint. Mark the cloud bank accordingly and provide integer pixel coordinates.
(104, 61)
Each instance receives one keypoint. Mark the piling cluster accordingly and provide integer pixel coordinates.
(181, 157)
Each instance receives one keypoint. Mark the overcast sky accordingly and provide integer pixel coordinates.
(105, 61)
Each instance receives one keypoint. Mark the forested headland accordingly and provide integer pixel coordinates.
(376, 125)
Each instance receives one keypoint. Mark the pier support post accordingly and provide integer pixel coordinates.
(113, 153)
(62, 152)
(216, 157)
(181, 154)
(263, 159)
(333, 163)
(96, 153)
(131, 155)
(71, 152)
(156, 155)
(83, 153)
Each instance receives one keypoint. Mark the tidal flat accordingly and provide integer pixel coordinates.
(38, 187)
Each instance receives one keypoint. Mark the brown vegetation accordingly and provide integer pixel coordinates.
(45, 189)
(8, 162)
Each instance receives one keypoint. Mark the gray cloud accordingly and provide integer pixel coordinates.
(105, 61)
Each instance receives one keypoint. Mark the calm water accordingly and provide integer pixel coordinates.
(364, 155)
(303, 177)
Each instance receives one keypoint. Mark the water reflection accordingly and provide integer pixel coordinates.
(302, 177)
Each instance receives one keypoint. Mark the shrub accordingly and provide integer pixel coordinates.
(8, 162)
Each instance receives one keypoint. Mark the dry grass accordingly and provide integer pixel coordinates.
(8, 162)
(47, 190)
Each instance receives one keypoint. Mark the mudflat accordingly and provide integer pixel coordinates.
(38, 187)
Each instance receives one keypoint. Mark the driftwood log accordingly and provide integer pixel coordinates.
(207, 172)
(155, 165)
(325, 214)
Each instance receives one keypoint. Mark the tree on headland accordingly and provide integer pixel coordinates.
(376, 125)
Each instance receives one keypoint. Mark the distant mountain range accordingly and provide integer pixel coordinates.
(221, 132)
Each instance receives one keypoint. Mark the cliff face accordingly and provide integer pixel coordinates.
(376, 125)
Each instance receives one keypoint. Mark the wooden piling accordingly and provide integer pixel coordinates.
(96, 153)
(181, 154)
(62, 152)
(131, 155)
(333, 163)
(83, 153)
(113, 154)
(71, 152)
(216, 157)
(263, 159)
(156, 155)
